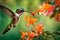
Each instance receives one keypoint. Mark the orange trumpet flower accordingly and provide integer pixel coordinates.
(57, 2)
(31, 35)
(46, 6)
(57, 17)
(33, 13)
(30, 20)
(39, 28)
(46, 9)
(23, 34)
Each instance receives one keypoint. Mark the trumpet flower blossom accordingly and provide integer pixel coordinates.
(46, 9)
(30, 20)
(57, 17)
(39, 28)
(23, 34)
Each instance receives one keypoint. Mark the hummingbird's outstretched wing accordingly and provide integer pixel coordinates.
(10, 14)
(7, 11)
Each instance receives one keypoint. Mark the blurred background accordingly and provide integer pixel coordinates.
(30, 5)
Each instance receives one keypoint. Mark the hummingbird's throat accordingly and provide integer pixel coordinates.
(17, 15)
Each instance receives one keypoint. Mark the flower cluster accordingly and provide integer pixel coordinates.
(37, 30)
(50, 10)
(30, 20)
(45, 9)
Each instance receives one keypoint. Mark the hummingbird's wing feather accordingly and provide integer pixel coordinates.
(7, 11)
(11, 25)
(6, 30)
(10, 14)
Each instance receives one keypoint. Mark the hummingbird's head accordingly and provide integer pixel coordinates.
(18, 11)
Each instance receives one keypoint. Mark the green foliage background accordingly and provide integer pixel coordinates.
(30, 5)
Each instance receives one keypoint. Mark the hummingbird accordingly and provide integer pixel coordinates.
(14, 16)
